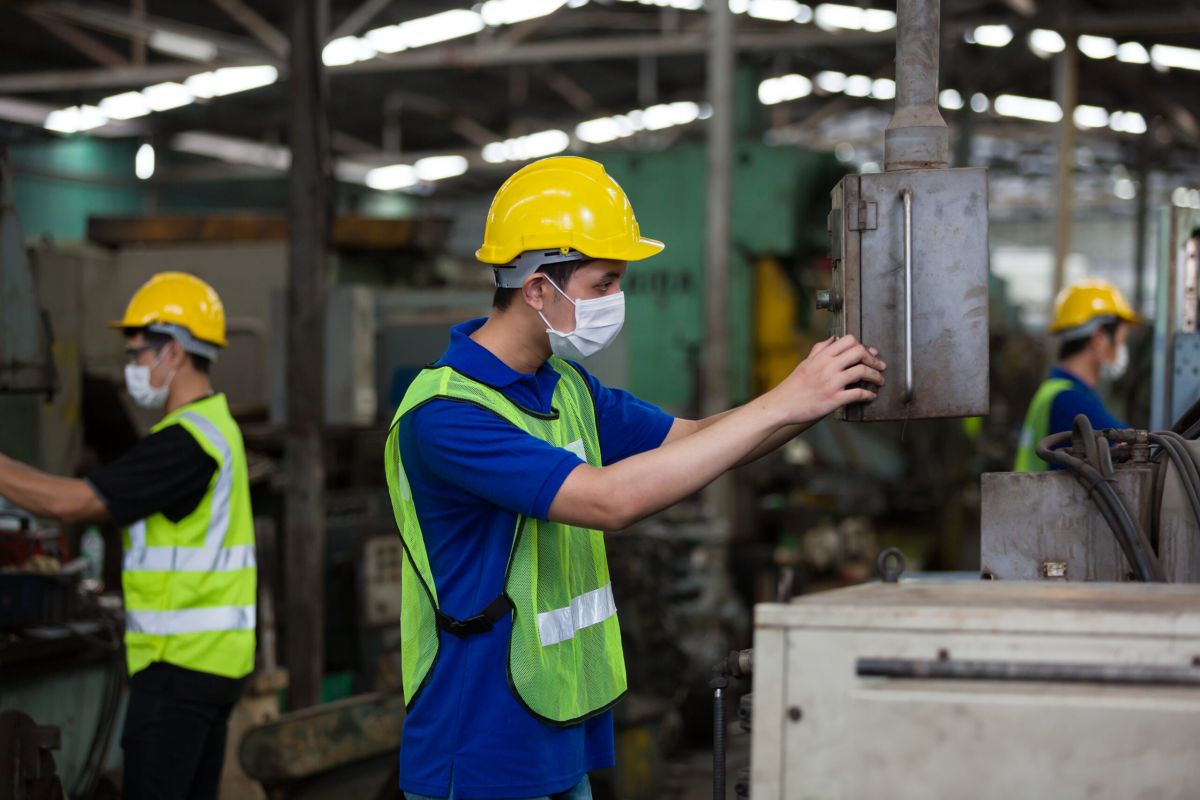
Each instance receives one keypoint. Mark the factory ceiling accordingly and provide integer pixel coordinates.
(409, 81)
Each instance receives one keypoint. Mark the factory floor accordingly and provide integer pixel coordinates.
(689, 775)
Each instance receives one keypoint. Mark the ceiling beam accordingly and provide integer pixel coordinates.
(118, 21)
(254, 23)
(82, 41)
(358, 18)
(565, 87)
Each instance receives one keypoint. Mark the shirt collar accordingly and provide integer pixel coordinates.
(476, 361)
(1058, 372)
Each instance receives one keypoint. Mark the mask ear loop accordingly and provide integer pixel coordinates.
(157, 361)
(550, 328)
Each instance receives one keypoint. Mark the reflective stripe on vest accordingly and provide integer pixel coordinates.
(565, 661)
(1037, 425)
(190, 585)
(212, 557)
(191, 620)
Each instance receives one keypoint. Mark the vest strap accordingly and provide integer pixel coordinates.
(482, 622)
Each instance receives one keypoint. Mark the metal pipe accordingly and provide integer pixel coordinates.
(917, 137)
(907, 196)
(955, 669)
(1066, 93)
(720, 196)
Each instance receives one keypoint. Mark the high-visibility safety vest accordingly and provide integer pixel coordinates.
(565, 661)
(190, 585)
(1037, 425)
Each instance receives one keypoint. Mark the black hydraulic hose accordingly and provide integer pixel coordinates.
(1189, 475)
(1132, 541)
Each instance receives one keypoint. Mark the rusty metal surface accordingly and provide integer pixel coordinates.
(949, 288)
(1178, 536)
(349, 233)
(317, 740)
(1033, 522)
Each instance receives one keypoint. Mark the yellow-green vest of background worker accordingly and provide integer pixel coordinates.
(1091, 323)
(189, 575)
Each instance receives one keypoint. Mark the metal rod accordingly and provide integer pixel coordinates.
(907, 195)
(916, 137)
(1141, 230)
(955, 669)
(720, 196)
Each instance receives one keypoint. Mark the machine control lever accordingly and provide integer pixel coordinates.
(907, 196)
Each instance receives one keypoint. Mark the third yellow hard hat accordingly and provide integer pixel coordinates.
(180, 299)
(564, 203)
(1084, 301)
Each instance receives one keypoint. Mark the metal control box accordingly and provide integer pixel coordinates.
(1058, 690)
(910, 277)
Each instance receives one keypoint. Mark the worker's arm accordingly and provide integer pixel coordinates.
(683, 428)
(66, 499)
(616, 496)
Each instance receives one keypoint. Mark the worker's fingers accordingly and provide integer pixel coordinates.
(841, 345)
(819, 346)
(873, 351)
(862, 372)
(849, 396)
(855, 355)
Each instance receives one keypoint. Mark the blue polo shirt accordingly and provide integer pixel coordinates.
(471, 475)
(1079, 399)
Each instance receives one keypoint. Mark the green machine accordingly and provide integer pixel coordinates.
(780, 202)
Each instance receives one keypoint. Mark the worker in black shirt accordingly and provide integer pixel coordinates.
(188, 573)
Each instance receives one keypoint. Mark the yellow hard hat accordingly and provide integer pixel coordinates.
(177, 299)
(563, 203)
(1082, 302)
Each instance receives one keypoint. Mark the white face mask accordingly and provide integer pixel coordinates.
(597, 323)
(1119, 364)
(137, 382)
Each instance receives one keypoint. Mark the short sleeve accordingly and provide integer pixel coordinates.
(166, 473)
(627, 424)
(485, 455)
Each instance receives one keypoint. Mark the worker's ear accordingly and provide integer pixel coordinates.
(1102, 344)
(174, 356)
(534, 291)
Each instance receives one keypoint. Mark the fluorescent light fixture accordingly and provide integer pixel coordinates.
(599, 131)
(804, 15)
(1045, 42)
(877, 20)
(786, 87)
(527, 148)
(165, 96)
(668, 115)
(1033, 108)
(831, 82)
(143, 162)
(991, 35)
(883, 88)
(686, 5)
(233, 150)
(1097, 47)
(230, 80)
(1127, 122)
(858, 86)
(74, 119)
(347, 50)
(777, 10)
(510, 12)
(436, 168)
(979, 102)
(1166, 55)
(125, 106)
(1133, 53)
(390, 178)
(1090, 117)
(834, 16)
(424, 31)
(181, 46)
(951, 99)
(1124, 188)
(1185, 197)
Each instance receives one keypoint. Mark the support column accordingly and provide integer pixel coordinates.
(1066, 94)
(308, 240)
(720, 199)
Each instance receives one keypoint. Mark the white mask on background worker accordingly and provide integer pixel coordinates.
(597, 323)
(138, 382)
(1113, 370)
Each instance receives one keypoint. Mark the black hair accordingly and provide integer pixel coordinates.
(160, 340)
(1073, 347)
(560, 273)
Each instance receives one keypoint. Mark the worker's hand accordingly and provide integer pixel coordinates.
(823, 382)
